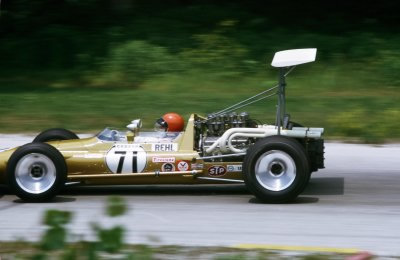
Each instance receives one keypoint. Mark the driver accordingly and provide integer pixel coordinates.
(170, 122)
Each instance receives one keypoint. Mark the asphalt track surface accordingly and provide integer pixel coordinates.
(352, 204)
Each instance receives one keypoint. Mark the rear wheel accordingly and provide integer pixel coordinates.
(55, 134)
(36, 172)
(276, 169)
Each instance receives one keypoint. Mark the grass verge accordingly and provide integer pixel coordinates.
(316, 97)
(25, 250)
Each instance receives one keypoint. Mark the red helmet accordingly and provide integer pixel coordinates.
(171, 122)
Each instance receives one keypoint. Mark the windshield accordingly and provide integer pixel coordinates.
(111, 135)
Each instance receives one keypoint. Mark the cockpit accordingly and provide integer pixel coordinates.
(114, 135)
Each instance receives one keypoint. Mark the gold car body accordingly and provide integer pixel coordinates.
(93, 161)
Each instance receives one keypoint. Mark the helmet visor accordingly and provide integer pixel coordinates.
(161, 125)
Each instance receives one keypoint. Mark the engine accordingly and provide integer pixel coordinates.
(217, 125)
(212, 128)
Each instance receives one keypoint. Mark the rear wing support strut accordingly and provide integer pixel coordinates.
(281, 107)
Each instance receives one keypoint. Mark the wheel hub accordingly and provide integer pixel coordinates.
(37, 171)
(277, 168)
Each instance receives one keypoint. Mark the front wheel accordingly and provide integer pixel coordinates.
(276, 169)
(55, 134)
(36, 172)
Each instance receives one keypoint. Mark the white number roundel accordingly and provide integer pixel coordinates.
(126, 159)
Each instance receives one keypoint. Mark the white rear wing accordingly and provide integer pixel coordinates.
(293, 57)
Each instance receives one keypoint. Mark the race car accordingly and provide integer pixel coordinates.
(273, 161)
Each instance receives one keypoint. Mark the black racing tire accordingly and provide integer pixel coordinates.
(36, 172)
(286, 171)
(290, 126)
(55, 134)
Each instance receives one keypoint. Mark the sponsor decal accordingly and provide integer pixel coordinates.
(234, 168)
(168, 167)
(216, 170)
(126, 159)
(182, 166)
(126, 146)
(163, 159)
(164, 147)
(197, 166)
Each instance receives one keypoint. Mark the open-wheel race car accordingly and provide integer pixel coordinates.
(274, 161)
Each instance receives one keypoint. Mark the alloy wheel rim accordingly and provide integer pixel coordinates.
(275, 170)
(35, 173)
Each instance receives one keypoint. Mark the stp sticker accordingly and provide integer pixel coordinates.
(234, 168)
(168, 167)
(163, 159)
(164, 147)
(216, 170)
(183, 166)
(126, 159)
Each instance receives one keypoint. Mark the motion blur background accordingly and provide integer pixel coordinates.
(84, 65)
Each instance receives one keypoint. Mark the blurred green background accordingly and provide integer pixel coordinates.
(84, 65)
